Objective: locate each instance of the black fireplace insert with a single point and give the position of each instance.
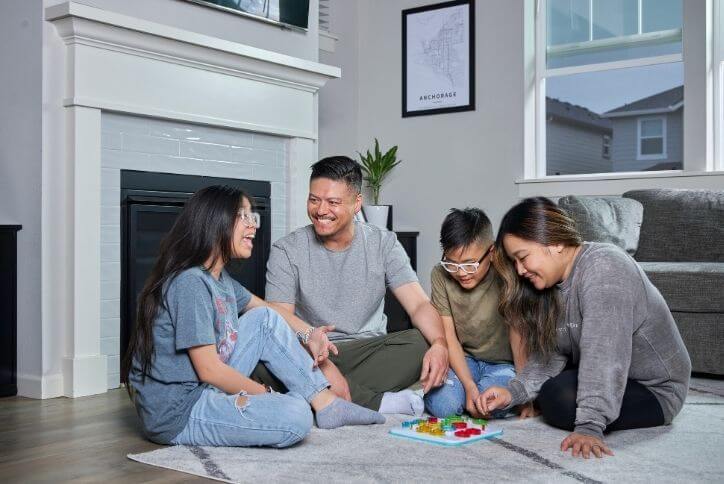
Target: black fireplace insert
(150, 203)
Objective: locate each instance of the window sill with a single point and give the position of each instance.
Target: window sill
(616, 184)
(631, 175)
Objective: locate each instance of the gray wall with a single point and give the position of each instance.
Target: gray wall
(449, 160)
(20, 161)
(573, 150)
(189, 16)
(338, 100)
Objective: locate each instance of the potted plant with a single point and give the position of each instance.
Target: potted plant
(375, 167)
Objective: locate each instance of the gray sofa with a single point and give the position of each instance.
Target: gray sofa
(680, 246)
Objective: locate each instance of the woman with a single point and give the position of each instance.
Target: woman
(189, 358)
(605, 351)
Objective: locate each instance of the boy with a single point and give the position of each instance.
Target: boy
(465, 293)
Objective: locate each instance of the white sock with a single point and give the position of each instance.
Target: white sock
(405, 402)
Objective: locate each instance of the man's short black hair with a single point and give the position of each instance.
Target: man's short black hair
(461, 228)
(339, 168)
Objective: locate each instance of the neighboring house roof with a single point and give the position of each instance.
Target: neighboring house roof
(663, 102)
(576, 115)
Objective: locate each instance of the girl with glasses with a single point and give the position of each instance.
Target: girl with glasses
(190, 355)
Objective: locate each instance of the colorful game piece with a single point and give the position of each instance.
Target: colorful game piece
(449, 431)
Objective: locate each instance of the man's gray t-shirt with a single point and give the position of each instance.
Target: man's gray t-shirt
(344, 288)
(199, 310)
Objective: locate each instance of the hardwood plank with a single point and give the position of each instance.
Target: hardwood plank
(80, 440)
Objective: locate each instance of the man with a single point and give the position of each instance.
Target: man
(335, 272)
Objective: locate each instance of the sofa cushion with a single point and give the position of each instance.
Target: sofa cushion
(696, 287)
(703, 334)
(681, 225)
(606, 219)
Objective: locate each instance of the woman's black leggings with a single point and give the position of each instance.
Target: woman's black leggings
(557, 402)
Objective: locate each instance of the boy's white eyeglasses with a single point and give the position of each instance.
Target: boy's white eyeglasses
(467, 267)
(250, 219)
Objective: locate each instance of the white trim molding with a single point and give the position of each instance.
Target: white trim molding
(639, 138)
(117, 63)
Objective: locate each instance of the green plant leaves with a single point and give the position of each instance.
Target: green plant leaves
(377, 166)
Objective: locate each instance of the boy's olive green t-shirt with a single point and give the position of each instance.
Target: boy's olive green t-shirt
(480, 328)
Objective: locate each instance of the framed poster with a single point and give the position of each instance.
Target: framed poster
(438, 58)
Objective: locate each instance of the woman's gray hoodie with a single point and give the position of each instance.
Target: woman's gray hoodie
(614, 325)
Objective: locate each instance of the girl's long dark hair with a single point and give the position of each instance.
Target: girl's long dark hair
(531, 312)
(204, 229)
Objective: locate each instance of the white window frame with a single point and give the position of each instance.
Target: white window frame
(718, 82)
(606, 147)
(542, 72)
(660, 156)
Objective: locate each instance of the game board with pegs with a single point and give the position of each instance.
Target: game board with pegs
(453, 430)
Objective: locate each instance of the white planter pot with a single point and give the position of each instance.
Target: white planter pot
(377, 214)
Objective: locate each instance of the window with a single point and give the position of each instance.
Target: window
(651, 138)
(609, 86)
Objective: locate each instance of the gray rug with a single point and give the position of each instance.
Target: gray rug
(690, 450)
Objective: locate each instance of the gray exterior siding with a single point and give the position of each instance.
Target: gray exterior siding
(574, 150)
(625, 139)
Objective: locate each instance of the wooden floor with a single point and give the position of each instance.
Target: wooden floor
(81, 440)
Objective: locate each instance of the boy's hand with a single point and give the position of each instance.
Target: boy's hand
(471, 395)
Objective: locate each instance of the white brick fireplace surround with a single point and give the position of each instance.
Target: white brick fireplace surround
(145, 96)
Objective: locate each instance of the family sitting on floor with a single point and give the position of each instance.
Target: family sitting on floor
(535, 320)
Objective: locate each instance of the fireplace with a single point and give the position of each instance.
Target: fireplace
(150, 203)
(128, 94)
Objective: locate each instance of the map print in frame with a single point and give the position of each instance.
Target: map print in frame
(438, 58)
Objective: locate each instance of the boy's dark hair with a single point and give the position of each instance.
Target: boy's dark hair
(339, 168)
(464, 227)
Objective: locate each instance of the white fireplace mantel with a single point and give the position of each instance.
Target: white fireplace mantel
(118, 63)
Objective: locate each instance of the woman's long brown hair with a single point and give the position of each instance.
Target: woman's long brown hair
(204, 228)
(531, 312)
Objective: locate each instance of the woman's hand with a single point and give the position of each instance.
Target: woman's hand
(584, 445)
(527, 410)
(319, 345)
(493, 398)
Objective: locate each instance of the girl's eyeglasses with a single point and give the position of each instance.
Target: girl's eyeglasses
(250, 219)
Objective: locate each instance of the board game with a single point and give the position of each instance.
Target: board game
(450, 431)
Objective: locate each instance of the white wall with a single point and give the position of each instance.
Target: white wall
(228, 26)
(20, 163)
(449, 160)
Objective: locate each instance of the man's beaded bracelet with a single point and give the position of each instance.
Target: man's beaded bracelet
(303, 336)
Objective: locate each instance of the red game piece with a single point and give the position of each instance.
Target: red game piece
(462, 433)
(459, 425)
(474, 431)
(432, 419)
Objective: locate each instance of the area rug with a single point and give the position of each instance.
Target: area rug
(690, 450)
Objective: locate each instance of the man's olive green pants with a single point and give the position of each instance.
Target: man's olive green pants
(372, 366)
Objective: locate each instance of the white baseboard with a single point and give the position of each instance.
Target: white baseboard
(84, 376)
(33, 386)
